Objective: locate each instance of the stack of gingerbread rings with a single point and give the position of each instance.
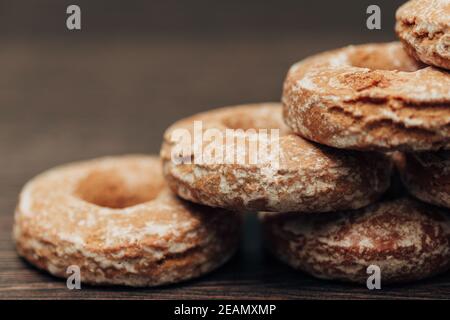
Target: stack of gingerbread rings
(376, 97)
(322, 191)
(116, 220)
(351, 239)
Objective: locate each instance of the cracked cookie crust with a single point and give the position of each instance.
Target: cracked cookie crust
(423, 26)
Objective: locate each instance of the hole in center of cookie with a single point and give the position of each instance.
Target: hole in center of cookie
(108, 188)
(385, 59)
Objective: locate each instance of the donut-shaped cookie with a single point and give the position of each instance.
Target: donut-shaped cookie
(368, 97)
(423, 26)
(117, 221)
(303, 177)
(427, 176)
(408, 240)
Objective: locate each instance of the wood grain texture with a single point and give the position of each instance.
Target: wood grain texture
(66, 101)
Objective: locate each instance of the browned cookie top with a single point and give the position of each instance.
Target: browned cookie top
(368, 97)
(408, 240)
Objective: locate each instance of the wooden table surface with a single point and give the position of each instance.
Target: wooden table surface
(67, 100)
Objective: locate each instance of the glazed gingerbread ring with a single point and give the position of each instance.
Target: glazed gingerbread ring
(118, 222)
(427, 176)
(423, 26)
(368, 97)
(407, 239)
(308, 177)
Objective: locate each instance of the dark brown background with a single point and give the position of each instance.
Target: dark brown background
(137, 66)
